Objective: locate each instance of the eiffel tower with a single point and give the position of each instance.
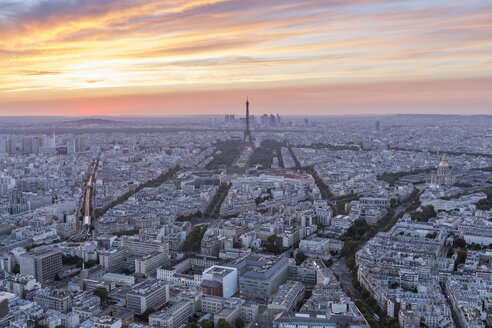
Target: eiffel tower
(247, 140)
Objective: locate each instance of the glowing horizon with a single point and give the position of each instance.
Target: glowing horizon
(124, 57)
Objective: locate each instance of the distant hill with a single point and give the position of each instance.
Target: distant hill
(93, 121)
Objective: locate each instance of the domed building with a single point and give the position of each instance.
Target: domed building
(443, 176)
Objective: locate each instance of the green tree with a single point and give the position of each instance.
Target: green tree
(429, 211)
(461, 258)
(328, 263)
(72, 260)
(239, 323)
(57, 277)
(145, 315)
(226, 153)
(102, 293)
(205, 323)
(194, 239)
(459, 242)
(223, 323)
(91, 263)
(424, 216)
(431, 235)
(394, 202)
(350, 262)
(126, 271)
(271, 245)
(300, 257)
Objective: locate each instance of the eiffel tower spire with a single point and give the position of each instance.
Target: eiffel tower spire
(247, 133)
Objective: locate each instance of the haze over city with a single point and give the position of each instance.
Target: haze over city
(83, 58)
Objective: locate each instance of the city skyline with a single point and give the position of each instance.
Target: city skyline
(158, 58)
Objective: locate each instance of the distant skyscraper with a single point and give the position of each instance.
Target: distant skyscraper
(36, 142)
(229, 119)
(26, 145)
(247, 133)
(11, 146)
(377, 125)
(80, 144)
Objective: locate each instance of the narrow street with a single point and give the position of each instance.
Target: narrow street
(345, 278)
(346, 275)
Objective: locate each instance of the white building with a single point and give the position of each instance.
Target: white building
(224, 275)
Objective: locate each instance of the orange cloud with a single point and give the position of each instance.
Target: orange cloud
(93, 50)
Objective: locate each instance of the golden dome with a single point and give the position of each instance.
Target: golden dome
(443, 163)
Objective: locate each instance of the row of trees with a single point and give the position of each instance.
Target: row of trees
(371, 302)
(393, 177)
(439, 152)
(126, 232)
(486, 204)
(294, 157)
(213, 208)
(360, 232)
(323, 187)
(123, 198)
(331, 146)
(357, 233)
(77, 261)
(263, 155)
(414, 201)
(190, 217)
(29, 247)
(461, 243)
(226, 152)
(424, 215)
(194, 239)
(301, 257)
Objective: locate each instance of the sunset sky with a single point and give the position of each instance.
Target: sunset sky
(173, 57)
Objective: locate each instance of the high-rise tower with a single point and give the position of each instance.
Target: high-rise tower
(247, 133)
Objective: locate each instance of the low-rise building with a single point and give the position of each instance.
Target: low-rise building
(147, 265)
(55, 299)
(261, 275)
(149, 294)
